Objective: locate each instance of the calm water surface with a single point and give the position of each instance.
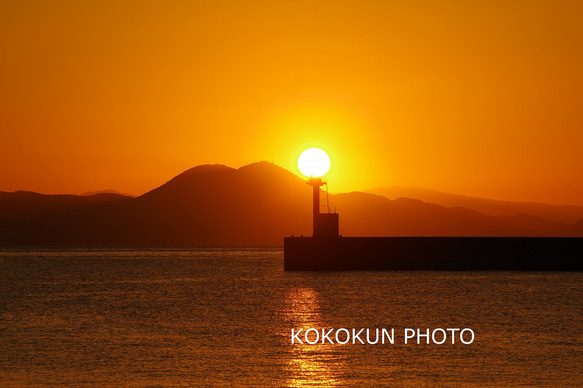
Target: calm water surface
(224, 318)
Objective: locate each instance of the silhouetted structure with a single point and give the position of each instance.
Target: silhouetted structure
(325, 224)
(326, 250)
(434, 253)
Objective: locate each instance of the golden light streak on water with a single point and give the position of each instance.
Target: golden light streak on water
(310, 365)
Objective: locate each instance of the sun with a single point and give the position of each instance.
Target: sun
(314, 162)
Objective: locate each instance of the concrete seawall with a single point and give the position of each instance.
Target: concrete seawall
(433, 253)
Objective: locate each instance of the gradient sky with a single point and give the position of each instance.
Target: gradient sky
(472, 97)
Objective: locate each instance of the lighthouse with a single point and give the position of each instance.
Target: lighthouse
(326, 250)
(325, 224)
(314, 163)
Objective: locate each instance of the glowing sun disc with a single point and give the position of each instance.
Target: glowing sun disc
(314, 162)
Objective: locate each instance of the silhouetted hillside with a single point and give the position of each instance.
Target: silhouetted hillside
(364, 214)
(553, 213)
(217, 205)
(258, 204)
(91, 193)
(204, 206)
(21, 204)
(577, 228)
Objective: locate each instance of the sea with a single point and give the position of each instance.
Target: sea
(224, 317)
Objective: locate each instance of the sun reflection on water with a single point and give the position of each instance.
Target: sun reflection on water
(309, 365)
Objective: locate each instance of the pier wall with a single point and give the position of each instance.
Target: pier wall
(433, 253)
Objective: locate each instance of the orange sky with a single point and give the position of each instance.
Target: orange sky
(473, 97)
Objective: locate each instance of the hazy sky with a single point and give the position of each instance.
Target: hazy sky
(473, 97)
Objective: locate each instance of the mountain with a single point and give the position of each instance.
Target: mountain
(553, 213)
(20, 204)
(364, 214)
(92, 193)
(255, 205)
(210, 205)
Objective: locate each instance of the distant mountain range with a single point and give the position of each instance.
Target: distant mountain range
(257, 205)
(554, 213)
(91, 193)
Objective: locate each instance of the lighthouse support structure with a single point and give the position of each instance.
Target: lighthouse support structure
(324, 224)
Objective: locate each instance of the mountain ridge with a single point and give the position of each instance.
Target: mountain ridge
(254, 205)
(552, 213)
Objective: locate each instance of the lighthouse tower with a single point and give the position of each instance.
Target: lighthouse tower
(325, 224)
